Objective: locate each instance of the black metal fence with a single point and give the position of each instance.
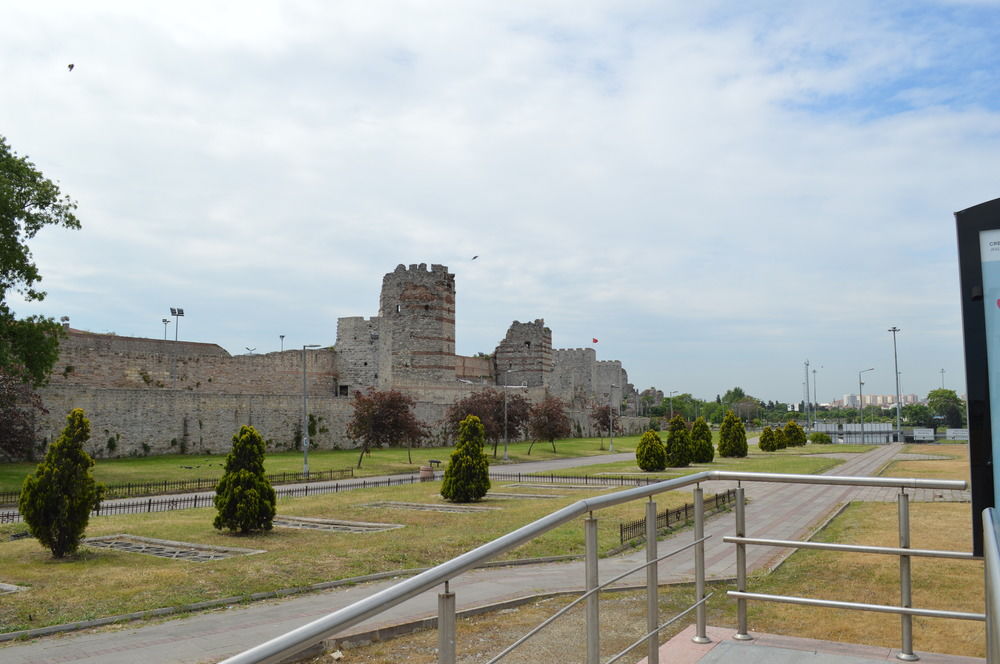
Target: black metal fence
(133, 489)
(605, 480)
(636, 530)
(168, 504)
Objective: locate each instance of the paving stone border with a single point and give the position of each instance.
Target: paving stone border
(592, 487)
(431, 507)
(198, 553)
(6, 588)
(333, 525)
(537, 496)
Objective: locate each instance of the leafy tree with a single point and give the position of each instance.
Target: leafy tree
(702, 449)
(678, 443)
(650, 455)
(244, 497)
(601, 417)
(467, 477)
(488, 406)
(732, 437)
(383, 418)
(919, 415)
(794, 435)
(56, 500)
(766, 442)
(548, 420)
(18, 407)
(947, 404)
(820, 438)
(29, 347)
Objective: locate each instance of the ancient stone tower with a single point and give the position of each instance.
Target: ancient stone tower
(417, 326)
(524, 357)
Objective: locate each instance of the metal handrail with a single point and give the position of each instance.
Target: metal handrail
(850, 548)
(281, 647)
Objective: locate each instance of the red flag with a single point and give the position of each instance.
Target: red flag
(595, 340)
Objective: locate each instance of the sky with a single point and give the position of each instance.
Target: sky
(716, 191)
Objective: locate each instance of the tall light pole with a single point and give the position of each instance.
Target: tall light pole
(282, 337)
(611, 418)
(942, 379)
(505, 438)
(177, 312)
(815, 398)
(895, 361)
(305, 413)
(861, 402)
(808, 403)
(165, 322)
(671, 397)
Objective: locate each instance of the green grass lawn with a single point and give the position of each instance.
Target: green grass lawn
(379, 462)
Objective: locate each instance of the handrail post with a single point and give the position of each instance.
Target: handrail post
(593, 602)
(741, 567)
(699, 566)
(446, 626)
(652, 587)
(906, 622)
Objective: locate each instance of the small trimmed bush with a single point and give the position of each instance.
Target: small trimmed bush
(780, 441)
(702, 449)
(732, 437)
(467, 477)
(56, 500)
(244, 497)
(678, 443)
(650, 455)
(820, 438)
(766, 442)
(794, 435)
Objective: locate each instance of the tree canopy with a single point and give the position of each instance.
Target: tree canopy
(383, 418)
(28, 202)
(488, 406)
(548, 420)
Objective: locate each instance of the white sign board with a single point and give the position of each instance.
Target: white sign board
(957, 434)
(923, 434)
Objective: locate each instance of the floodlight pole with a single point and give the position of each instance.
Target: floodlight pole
(176, 312)
(282, 337)
(671, 397)
(305, 413)
(611, 418)
(861, 402)
(165, 322)
(808, 403)
(895, 361)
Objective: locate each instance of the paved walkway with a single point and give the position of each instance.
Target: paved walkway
(785, 511)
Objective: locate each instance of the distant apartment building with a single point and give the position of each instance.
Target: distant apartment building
(881, 400)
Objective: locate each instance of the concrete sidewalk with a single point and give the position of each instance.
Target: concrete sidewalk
(785, 511)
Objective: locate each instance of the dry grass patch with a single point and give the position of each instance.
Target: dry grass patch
(955, 467)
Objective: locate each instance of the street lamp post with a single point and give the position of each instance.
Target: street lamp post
(861, 402)
(895, 361)
(177, 312)
(611, 418)
(165, 321)
(671, 397)
(815, 400)
(808, 401)
(282, 337)
(305, 413)
(506, 440)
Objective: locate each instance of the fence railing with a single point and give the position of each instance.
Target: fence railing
(636, 530)
(329, 626)
(590, 480)
(132, 489)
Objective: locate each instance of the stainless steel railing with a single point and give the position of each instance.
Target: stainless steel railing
(286, 645)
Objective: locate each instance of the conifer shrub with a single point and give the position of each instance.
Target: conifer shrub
(766, 442)
(467, 477)
(820, 438)
(732, 437)
(702, 449)
(780, 441)
(794, 435)
(678, 443)
(650, 455)
(244, 498)
(56, 500)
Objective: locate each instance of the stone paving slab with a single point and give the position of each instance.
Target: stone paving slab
(197, 553)
(431, 507)
(333, 525)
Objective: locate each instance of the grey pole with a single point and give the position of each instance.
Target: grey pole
(671, 395)
(861, 403)
(611, 418)
(165, 323)
(895, 361)
(906, 647)
(593, 609)
(446, 626)
(808, 402)
(741, 567)
(305, 413)
(652, 587)
(699, 566)
(815, 398)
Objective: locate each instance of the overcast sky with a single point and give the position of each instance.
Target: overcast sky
(717, 191)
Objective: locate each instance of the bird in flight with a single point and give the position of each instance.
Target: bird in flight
(475, 257)
(70, 66)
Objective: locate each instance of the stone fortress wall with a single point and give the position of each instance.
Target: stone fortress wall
(150, 396)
